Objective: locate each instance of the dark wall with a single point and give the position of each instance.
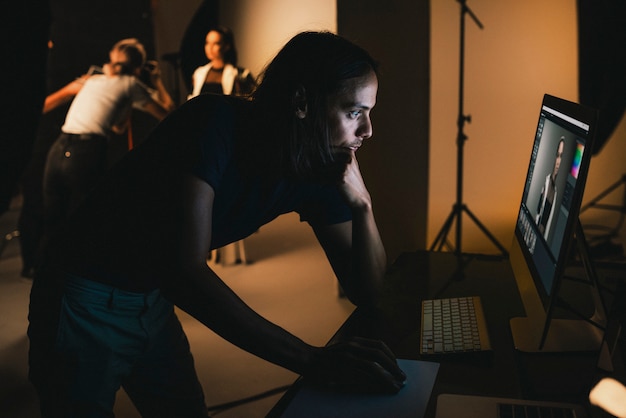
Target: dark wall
(602, 62)
(83, 32)
(395, 161)
(24, 27)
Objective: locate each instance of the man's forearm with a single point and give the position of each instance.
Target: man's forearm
(214, 304)
(369, 260)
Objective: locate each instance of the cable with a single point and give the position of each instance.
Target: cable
(232, 404)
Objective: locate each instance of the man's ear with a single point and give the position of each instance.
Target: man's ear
(299, 102)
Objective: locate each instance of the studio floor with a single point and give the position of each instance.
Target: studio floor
(287, 280)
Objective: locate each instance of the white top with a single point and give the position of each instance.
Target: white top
(229, 75)
(104, 102)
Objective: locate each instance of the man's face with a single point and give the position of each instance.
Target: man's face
(349, 113)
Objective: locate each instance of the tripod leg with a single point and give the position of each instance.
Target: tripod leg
(445, 229)
(486, 232)
(606, 192)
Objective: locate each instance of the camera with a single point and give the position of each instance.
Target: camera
(95, 69)
(150, 66)
(147, 72)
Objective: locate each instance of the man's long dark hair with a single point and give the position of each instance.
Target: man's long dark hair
(318, 65)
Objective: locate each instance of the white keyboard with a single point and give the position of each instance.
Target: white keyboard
(453, 325)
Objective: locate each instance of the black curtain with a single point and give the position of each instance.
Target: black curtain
(83, 33)
(192, 45)
(24, 26)
(602, 62)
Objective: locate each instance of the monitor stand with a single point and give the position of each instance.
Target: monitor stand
(538, 332)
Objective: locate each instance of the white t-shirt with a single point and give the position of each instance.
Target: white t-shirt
(104, 102)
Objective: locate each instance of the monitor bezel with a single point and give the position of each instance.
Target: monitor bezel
(590, 117)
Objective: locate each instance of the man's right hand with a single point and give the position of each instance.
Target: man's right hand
(358, 365)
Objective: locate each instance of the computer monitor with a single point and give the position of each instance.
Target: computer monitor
(547, 220)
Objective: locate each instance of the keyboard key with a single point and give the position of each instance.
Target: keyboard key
(453, 325)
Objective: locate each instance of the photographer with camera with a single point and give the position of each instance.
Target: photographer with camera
(102, 103)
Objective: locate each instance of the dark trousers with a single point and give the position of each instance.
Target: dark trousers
(74, 165)
(88, 339)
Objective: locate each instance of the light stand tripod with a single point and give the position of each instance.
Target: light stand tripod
(459, 207)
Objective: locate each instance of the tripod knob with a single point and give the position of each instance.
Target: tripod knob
(462, 119)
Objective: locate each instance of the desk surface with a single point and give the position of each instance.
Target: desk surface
(502, 372)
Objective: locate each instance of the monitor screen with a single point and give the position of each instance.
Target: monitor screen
(546, 223)
(553, 189)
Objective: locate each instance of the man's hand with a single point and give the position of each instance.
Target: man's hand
(358, 365)
(153, 69)
(352, 185)
(346, 174)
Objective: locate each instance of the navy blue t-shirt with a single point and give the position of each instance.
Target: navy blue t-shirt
(244, 202)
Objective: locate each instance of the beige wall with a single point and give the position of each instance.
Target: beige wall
(263, 27)
(526, 49)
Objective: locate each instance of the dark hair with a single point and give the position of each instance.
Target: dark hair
(317, 64)
(228, 39)
(559, 143)
(135, 55)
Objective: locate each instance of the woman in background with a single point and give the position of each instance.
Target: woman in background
(221, 75)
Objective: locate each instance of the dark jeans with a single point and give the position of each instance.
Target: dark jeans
(88, 339)
(74, 165)
(31, 221)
